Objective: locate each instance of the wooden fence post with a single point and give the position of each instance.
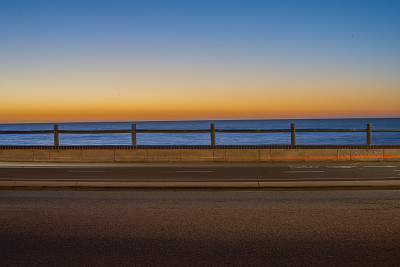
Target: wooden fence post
(369, 134)
(133, 134)
(212, 130)
(293, 134)
(56, 139)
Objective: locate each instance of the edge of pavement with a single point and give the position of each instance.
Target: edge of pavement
(260, 185)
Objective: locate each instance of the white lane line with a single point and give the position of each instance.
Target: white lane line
(64, 180)
(194, 171)
(214, 180)
(86, 171)
(341, 167)
(301, 171)
(322, 179)
(303, 167)
(61, 180)
(44, 180)
(45, 167)
(380, 166)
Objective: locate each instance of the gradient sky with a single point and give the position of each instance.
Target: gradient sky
(81, 60)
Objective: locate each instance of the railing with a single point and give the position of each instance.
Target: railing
(133, 131)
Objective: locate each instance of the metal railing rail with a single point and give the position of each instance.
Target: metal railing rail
(133, 131)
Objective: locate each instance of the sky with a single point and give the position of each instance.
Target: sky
(82, 60)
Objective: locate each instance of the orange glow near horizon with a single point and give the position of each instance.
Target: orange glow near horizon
(240, 106)
(40, 95)
(217, 99)
(184, 101)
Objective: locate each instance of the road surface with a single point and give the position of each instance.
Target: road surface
(218, 172)
(70, 228)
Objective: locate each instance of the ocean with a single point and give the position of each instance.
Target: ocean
(204, 138)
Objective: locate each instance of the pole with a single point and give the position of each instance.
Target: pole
(212, 130)
(133, 134)
(293, 134)
(369, 134)
(56, 139)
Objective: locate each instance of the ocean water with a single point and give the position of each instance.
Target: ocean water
(204, 138)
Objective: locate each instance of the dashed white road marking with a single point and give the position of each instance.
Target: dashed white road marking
(304, 167)
(194, 171)
(341, 167)
(301, 171)
(380, 166)
(94, 171)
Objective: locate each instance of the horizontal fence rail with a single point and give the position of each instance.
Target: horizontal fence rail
(133, 131)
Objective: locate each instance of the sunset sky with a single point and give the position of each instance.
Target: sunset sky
(81, 60)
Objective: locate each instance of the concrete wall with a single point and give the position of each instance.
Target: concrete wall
(197, 155)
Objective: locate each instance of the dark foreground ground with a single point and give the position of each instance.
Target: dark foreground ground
(335, 228)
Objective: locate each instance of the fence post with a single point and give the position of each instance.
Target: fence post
(56, 139)
(293, 134)
(133, 134)
(212, 130)
(369, 134)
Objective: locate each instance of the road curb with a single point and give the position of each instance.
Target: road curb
(76, 185)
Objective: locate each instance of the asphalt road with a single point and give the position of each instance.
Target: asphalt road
(223, 172)
(68, 228)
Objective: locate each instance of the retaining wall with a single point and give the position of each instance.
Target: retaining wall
(204, 154)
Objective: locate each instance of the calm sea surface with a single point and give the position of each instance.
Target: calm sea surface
(204, 138)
